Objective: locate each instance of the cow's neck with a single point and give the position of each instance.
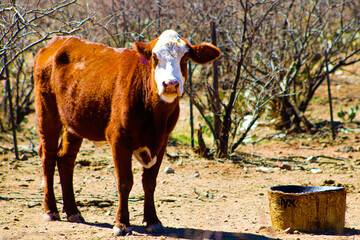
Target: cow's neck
(160, 110)
(159, 107)
(162, 117)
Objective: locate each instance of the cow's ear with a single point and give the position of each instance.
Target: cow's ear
(204, 53)
(144, 49)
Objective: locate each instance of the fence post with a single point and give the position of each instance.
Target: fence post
(216, 100)
(191, 106)
(329, 91)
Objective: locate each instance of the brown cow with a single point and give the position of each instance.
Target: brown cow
(129, 98)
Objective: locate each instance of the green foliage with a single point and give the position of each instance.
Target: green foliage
(351, 114)
(183, 139)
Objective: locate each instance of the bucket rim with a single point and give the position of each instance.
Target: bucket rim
(298, 189)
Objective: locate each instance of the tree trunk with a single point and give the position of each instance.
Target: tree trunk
(223, 139)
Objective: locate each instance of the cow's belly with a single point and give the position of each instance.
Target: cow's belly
(84, 106)
(86, 119)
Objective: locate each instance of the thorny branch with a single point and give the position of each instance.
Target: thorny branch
(22, 29)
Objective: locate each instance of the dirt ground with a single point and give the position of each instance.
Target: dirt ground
(202, 199)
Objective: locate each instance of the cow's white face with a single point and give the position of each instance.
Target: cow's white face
(169, 50)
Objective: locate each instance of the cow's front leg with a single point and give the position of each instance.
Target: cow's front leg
(122, 163)
(153, 224)
(124, 182)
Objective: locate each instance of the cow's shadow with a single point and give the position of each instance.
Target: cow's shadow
(192, 233)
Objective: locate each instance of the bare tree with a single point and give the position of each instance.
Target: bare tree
(23, 26)
(299, 43)
(240, 95)
(273, 57)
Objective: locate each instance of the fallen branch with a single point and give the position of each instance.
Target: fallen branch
(311, 148)
(333, 158)
(290, 159)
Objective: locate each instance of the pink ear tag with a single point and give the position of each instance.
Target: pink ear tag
(144, 60)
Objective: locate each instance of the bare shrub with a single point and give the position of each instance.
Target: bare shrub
(273, 56)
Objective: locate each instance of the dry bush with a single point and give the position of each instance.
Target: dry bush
(273, 55)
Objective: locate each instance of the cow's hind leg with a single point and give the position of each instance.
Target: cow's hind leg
(49, 130)
(48, 159)
(69, 147)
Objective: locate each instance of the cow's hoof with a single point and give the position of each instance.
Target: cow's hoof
(76, 218)
(156, 228)
(48, 217)
(122, 231)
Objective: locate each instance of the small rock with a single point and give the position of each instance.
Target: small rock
(286, 167)
(209, 195)
(84, 162)
(315, 170)
(31, 205)
(264, 169)
(104, 204)
(262, 228)
(311, 159)
(15, 167)
(169, 170)
(329, 182)
(346, 149)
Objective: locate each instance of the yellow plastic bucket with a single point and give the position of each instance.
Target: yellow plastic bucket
(308, 208)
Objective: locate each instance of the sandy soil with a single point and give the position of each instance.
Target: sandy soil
(202, 199)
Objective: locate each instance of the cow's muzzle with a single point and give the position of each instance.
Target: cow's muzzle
(172, 86)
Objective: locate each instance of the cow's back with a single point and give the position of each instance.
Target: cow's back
(83, 77)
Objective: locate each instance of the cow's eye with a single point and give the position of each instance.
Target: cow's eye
(154, 59)
(185, 58)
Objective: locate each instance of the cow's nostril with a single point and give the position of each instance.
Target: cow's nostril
(172, 83)
(177, 84)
